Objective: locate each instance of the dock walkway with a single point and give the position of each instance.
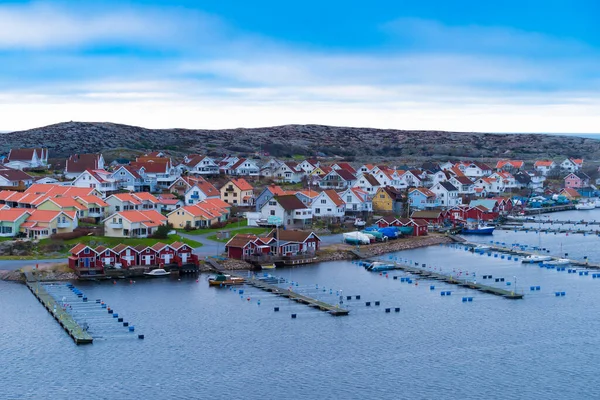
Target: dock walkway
(62, 317)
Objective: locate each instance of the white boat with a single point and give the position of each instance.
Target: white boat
(378, 266)
(356, 238)
(585, 206)
(481, 248)
(559, 261)
(155, 273)
(360, 223)
(534, 258)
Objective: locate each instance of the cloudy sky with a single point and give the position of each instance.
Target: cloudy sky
(525, 66)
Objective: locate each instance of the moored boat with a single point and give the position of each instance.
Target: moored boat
(534, 258)
(586, 206)
(406, 230)
(223, 279)
(481, 248)
(559, 261)
(157, 273)
(478, 229)
(378, 266)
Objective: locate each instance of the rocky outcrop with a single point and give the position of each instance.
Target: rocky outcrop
(69, 138)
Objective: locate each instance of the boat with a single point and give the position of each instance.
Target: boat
(559, 261)
(356, 238)
(481, 248)
(223, 279)
(585, 206)
(478, 229)
(267, 266)
(535, 258)
(157, 273)
(359, 223)
(597, 203)
(406, 230)
(378, 266)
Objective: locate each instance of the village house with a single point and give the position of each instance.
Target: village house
(544, 166)
(158, 172)
(98, 179)
(14, 178)
(307, 196)
(78, 163)
(11, 220)
(510, 165)
(197, 216)
(308, 165)
(474, 169)
(419, 228)
(289, 210)
(357, 201)
(337, 179)
(132, 201)
(447, 194)
(238, 192)
(366, 169)
(570, 194)
(464, 184)
(200, 165)
(413, 178)
(244, 167)
(572, 164)
(63, 204)
(128, 178)
(200, 192)
(328, 204)
(344, 165)
(279, 243)
(434, 217)
(133, 223)
(367, 182)
(422, 198)
(289, 172)
(389, 200)
(95, 207)
(267, 194)
(577, 180)
(168, 202)
(270, 167)
(41, 224)
(27, 158)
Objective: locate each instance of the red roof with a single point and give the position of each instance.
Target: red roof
(12, 214)
(242, 184)
(78, 163)
(543, 163)
(335, 197)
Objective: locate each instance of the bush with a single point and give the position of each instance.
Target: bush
(162, 232)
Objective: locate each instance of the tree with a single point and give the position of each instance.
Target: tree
(162, 232)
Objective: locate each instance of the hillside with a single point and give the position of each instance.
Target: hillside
(304, 140)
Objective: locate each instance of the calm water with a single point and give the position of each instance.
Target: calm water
(209, 343)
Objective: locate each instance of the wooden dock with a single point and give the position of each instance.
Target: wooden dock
(334, 310)
(507, 294)
(62, 317)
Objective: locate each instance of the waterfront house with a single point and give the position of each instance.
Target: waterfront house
(106, 255)
(238, 192)
(289, 210)
(576, 180)
(78, 163)
(490, 204)
(435, 217)
(388, 199)
(201, 191)
(357, 201)
(422, 198)
(85, 261)
(126, 255)
(244, 246)
(295, 242)
(570, 194)
(27, 158)
(146, 255)
(544, 166)
(447, 194)
(11, 220)
(572, 164)
(133, 223)
(98, 179)
(328, 204)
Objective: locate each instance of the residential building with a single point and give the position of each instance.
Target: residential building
(328, 204)
(367, 182)
(27, 158)
(244, 167)
(78, 163)
(200, 165)
(572, 164)
(510, 165)
(267, 194)
(422, 198)
(11, 220)
(289, 210)
(447, 194)
(544, 166)
(200, 192)
(133, 223)
(14, 178)
(238, 192)
(128, 178)
(357, 201)
(337, 179)
(42, 224)
(98, 179)
(389, 200)
(576, 180)
(289, 172)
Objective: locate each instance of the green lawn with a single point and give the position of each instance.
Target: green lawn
(256, 231)
(113, 241)
(234, 225)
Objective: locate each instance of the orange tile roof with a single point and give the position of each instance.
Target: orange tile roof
(43, 215)
(12, 214)
(149, 216)
(66, 202)
(126, 197)
(218, 203)
(79, 248)
(335, 197)
(145, 196)
(578, 161)
(242, 184)
(543, 163)
(6, 194)
(92, 200)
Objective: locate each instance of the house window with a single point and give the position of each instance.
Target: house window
(86, 251)
(117, 208)
(323, 201)
(272, 212)
(317, 211)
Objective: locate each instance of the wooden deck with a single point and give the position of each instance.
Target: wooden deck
(62, 317)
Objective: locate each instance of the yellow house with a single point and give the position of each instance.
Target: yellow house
(388, 199)
(43, 223)
(95, 207)
(238, 192)
(193, 217)
(63, 204)
(133, 223)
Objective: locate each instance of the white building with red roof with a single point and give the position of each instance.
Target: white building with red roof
(98, 179)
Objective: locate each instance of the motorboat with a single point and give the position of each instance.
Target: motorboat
(478, 229)
(535, 258)
(586, 206)
(157, 273)
(359, 223)
(559, 261)
(378, 266)
(481, 248)
(224, 279)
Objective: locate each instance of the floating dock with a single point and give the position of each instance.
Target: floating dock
(550, 230)
(77, 333)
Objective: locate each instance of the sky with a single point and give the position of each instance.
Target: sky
(509, 66)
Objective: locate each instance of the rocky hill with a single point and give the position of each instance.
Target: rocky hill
(304, 140)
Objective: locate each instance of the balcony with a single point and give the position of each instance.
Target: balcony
(63, 224)
(116, 225)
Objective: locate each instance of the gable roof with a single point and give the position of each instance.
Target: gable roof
(25, 154)
(463, 180)
(335, 197)
(79, 247)
(345, 175)
(394, 193)
(543, 163)
(77, 163)
(448, 186)
(371, 179)
(422, 190)
(509, 163)
(241, 184)
(290, 202)
(91, 200)
(12, 214)
(347, 167)
(428, 214)
(14, 175)
(292, 235)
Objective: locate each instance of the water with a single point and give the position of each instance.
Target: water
(211, 343)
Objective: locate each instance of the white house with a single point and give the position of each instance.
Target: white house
(200, 165)
(447, 194)
(78, 163)
(99, 179)
(337, 179)
(289, 172)
(27, 158)
(357, 200)
(367, 183)
(412, 178)
(328, 204)
(463, 183)
(14, 178)
(200, 192)
(572, 164)
(366, 169)
(287, 209)
(244, 167)
(474, 169)
(128, 178)
(308, 166)
(544, 166)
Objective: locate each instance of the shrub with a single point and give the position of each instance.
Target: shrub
(68, 235)
(162, 232)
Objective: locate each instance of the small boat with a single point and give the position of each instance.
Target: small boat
(157, 273)
(267, 266)
(359, 223)
(481, 248)
(223, 279)
(378, 266)
(479, 229)
(534, 258)
(585, 206)
(559, 261)
(356, 238)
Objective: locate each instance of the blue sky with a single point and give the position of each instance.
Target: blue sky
(522, 66)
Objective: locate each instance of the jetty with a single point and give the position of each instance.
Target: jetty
(535, 211)
(550, 230)
(507, 294)
(73, 329)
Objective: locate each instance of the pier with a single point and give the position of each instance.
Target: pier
(536, 211)
(73, 329)
(334, 310)
(550, 230)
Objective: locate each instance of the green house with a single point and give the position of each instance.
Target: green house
(11, 220)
